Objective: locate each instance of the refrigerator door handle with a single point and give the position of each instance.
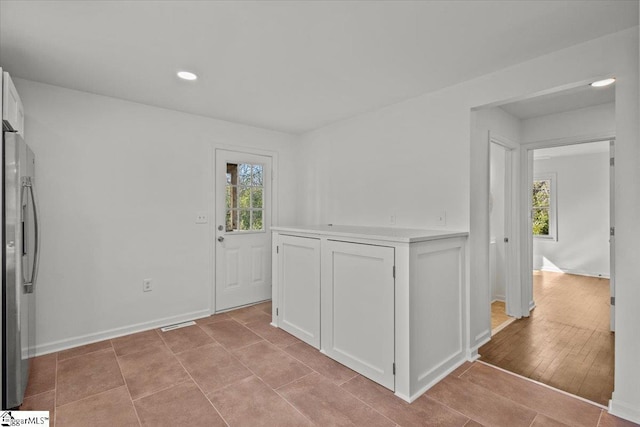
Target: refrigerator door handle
(27, 184)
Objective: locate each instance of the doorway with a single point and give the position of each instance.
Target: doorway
(566, 342)
(243, 199)
(501, 156)
(560, 340)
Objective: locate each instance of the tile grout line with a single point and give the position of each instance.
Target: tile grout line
(296, 380)
(319, 373)
(292, 405)
(135, 410)
(489, 391)
(202, 391)
(268, 386)
(452, 409)
(466, 370)
(365, 403)
(580, 398)
(237, 348)
(600, 418)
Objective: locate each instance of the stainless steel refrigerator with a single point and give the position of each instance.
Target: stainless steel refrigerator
(20, 266)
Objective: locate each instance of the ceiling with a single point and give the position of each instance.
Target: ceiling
(571, 150)
(285, 65)
(559, 102)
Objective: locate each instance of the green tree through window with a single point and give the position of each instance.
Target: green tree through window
(245, 197)
(541, 206)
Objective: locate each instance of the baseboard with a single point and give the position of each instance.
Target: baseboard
(461, 360)
(68, 343)
(498, 298)
(624, 410)
(481, 339)
(575, 272)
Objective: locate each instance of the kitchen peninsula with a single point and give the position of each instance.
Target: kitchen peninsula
(389, 303)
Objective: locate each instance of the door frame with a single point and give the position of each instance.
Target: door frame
(512, 277)
(213, 205)
(526, 249)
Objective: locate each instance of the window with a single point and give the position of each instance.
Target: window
(543, 207)
(245, 197)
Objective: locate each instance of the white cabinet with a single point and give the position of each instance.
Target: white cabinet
(392, 302)
(298, 302)
(357, 308)
(12, 110)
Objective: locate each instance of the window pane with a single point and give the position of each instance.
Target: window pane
(244, 198)
(244, 174)
(231, 220)
(257, 175)
(244, 219)
(541, 192)
(232, 173)
(256, 223)
(256, 198)
(540, 222)
(229, 197)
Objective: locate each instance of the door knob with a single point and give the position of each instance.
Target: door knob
(220, 239)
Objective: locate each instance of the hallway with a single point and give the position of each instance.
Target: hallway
(566, 342)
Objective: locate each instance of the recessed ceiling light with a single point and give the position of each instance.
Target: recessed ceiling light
(186, 75)
(602, 83)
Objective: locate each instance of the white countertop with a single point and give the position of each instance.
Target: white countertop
(388, 234)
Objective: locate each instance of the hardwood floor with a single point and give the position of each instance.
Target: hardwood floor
(499, 316)
(566, 342)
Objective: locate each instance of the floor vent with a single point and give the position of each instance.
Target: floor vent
(177, 326)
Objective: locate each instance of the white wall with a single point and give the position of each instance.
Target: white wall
(119, 185)
(583, 216)
(426, 155)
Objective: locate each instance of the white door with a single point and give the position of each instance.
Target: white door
(357, 309)
(243, 229)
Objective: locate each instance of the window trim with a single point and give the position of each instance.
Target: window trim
(553, 206)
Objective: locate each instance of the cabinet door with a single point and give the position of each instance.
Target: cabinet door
(358, 308)
(299, 288)
(12, 111)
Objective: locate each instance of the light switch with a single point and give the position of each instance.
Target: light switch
(202, 218)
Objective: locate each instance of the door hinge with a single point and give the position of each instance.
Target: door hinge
(394, 271)
(612, 161)
(612, 231)
(276, 311)
(506, 240)
(394, 368)
(277, 249)
(613, 300)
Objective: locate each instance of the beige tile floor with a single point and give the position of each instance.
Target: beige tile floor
(235, 369)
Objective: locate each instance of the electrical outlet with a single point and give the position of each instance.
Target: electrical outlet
(441, 218)
(392, 220)
(202, 218)
(147, 285)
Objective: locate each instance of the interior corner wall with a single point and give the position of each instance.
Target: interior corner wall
(424, 155)
(119, 185)
(582, 245)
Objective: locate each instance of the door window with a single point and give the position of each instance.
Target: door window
(244, 197)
